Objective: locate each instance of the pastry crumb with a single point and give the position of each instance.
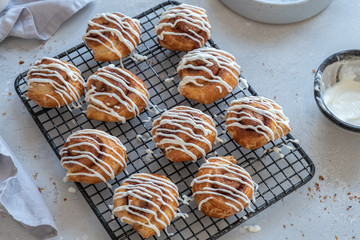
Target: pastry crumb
(321, 178)
(72, 189)
(4, 113)
(336, 237)
(40, 189)
(65, 199)
(36, 175)
(21, 62)
(313, 71)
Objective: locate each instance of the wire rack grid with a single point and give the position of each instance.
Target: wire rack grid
(277, 176)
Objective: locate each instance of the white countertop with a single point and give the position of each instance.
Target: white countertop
(277, 60)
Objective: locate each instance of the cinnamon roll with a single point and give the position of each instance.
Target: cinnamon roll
(112, 36)
(183, 28)
(92, 156)
(184, 133)
(115, 95)
(54, 83)
(254, 121)
(221, 188)
(207, 75)
(148, 202)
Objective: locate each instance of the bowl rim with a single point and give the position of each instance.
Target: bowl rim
(336, 57)
(295, 2)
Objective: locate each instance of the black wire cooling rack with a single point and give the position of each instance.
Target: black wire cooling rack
(276, 175)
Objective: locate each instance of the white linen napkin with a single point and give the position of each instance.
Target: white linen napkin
(20, 198)
(36, 18)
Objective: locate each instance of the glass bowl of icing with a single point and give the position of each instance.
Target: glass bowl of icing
(337, 89)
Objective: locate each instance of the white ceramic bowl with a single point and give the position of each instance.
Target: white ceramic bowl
(277, 11)
(3, 4)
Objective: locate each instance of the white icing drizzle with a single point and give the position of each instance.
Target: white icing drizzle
(234, 195)
(85, 134)
(219, 140)
(278, 151)
(72, 190)
(210, 56)
(124, 32)
(294, 141)
(274, 114)
(147, 120)
(41, 73)
(244, 82)
(168, 80)
(185, 199)
(149, 157)
(144, 186)
(178, 117)
(290, 148)
(120, 75)
(139, 57)
(253, 229)
(149, 151)
(187, 14)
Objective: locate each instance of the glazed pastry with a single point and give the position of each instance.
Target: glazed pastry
(54, 83)
(207, 75)
(254, 121)
(112, 36)
(92, 156)
(184, 133)
(221, 188)
(115, 95)
(148, 202)
(183, 28)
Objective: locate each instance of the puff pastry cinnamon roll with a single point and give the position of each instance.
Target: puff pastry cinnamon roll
(207, 75)
(221, 188)
(254, 121)
(92, 156)
(112, 36)
(54, 83)
(183, 28)
(115, 95)
(184, 133)
(148, 202)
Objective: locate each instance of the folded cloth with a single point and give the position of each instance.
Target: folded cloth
(38, 18)
(20, 198)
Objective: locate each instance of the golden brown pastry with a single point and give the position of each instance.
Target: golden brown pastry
(54, 83)
(254, 121)
(148, 202)
(183, 28)
(112, 36)
(184, 133)
(221, 188)
(115, 95)
(207, 75)
(92, 156)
